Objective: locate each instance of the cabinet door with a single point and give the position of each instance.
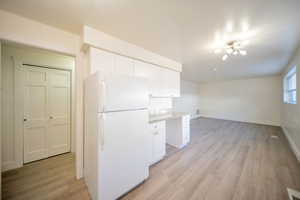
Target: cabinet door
(142, 69)
(158, 141)
(124, 66)
(162, 82)
(158, 82)
(147, 71)
(173, 83)
(170, 83)
(101, 60)
(166, 83)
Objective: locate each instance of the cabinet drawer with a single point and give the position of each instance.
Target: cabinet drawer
(158, 126)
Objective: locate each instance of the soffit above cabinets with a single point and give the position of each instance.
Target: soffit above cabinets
(98, 39)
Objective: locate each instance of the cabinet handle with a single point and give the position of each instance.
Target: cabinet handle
(24, 119)
(50, 117)
(155, 133)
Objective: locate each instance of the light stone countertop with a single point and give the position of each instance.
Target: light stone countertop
(163, 117)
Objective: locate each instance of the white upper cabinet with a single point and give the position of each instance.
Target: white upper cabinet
(145, 70)
(172, 81)
(157, 82)
(124, 66)
(110, 63)
(101, 60)
(142, 69)
(163, 82)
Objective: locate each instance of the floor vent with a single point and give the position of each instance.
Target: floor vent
(293, 194)
(274, 137)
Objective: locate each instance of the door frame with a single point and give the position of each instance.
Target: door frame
(78, 75)
(1, 89)
(19, 108)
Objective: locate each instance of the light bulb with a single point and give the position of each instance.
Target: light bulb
(225, 57)
(237, 45)
(217, 51)
(246, 42)
(229, 51)
(243, 52)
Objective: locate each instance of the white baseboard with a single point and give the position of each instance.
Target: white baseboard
(195, 116)
(293, 146)
(246, 121)
(9, 165)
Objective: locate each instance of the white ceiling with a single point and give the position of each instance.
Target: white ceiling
(183, 30)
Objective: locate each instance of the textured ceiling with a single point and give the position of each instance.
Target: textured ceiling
(185, 31)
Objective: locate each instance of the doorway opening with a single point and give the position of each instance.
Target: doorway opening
(38, 140)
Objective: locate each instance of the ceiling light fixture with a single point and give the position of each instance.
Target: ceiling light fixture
(225, 57)
(233, 47)
(217, 51)
(243, 52)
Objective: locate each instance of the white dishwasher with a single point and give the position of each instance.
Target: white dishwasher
(178, 131)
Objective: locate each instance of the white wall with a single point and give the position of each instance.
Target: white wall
(0, 117)
(256, 100)
(189, 101)
(29, 32)
(291, 112)
(10, 153)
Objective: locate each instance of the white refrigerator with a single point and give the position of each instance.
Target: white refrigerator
(117, 146)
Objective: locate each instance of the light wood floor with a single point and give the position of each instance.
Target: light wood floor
(52, 178)
(225, 161)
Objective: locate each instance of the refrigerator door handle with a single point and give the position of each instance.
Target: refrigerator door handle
(103, 95)
(101, 129)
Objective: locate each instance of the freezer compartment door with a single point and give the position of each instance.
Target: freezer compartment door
(123, 93)
(124, 152)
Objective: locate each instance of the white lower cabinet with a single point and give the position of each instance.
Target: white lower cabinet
(158, 133)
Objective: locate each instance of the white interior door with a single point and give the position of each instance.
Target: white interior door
(35, 113)
(46, 113)
(59, 112)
